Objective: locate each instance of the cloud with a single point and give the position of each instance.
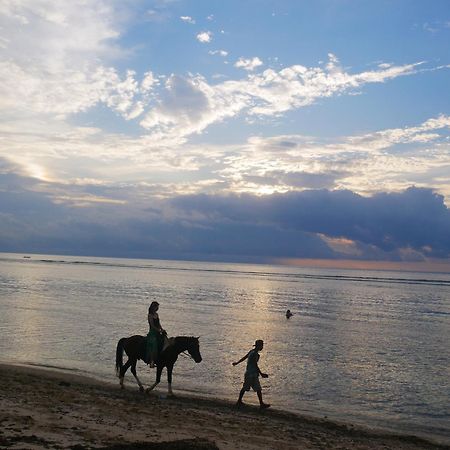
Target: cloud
(435, 26)
(404, 226)
(58, 66)
(391, 159)
(385, 160)
(159, 12)
(395, 225)
(69, 34)
(295, 179)
(204, 37)
(51, 61)
(187, 19)
(248, 64)
(268, 94)
(57, 70)
(218, 52)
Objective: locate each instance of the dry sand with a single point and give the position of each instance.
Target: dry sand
(41, 408)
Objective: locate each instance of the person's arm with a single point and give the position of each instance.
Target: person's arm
(242, 359)
(264, 375)
(151, 322)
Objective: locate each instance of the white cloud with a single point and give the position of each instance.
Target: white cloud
(149, 82)
(364, 163)
(57, 61)
(57, 65)
(188, 19)
(25, 92)
(51, 60)
(204, 37)
(248, 64)
(218, 52)
(385, 160)
(269, 94)
(431, 27)
(382, 140)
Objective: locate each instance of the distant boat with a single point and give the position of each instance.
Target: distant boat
(27, 257)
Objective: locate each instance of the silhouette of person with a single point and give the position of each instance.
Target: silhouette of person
(155, 336)
(252, 373)
(288, 314)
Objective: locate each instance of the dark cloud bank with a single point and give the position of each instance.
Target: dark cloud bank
(409, 225)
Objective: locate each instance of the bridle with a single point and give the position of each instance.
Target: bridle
(186, 355)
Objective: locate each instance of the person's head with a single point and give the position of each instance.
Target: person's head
(153, 307)
(259, 344)
(288, 311)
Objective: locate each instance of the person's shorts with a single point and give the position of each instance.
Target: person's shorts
(251, 381)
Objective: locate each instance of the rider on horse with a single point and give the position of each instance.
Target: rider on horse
(156, 334)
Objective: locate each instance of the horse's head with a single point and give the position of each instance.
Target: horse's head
(194, 349)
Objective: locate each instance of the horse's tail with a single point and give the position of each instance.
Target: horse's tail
(119, 356)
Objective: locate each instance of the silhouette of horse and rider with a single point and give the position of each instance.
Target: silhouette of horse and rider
(135, 348)
(154, 349)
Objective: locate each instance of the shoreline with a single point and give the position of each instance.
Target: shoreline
(47, 407)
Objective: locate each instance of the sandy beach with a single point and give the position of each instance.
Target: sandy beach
(43, 408)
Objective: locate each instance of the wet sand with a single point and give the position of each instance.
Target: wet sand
(41, 408)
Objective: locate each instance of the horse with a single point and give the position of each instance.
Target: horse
(135, 348)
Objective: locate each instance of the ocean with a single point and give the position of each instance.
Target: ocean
(367, 347)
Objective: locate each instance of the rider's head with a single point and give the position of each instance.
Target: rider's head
(153, 307)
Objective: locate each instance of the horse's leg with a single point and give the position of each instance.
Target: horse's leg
(158, 378)
(169, 378)
(133, 371)
(122, 373)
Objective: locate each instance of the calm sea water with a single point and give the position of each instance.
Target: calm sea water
(366, 347)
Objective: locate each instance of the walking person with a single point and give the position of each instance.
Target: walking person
(252, 373)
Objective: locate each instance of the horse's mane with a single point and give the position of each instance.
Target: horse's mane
(186, 338)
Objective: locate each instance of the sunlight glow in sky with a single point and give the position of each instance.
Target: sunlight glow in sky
(116, 115)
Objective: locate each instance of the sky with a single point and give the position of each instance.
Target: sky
(251, 130)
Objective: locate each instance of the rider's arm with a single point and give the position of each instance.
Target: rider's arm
(151, 323)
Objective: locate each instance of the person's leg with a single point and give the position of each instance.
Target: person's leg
(148, 349)
(241, 395)
(262, 405)
(152, 359)
(152, 348)
(260, 397)
(245, 387)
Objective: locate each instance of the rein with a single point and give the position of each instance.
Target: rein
(186, 355)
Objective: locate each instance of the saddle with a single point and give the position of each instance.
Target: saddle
(162, 347)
